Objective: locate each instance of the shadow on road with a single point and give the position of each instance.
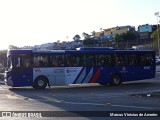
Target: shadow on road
(59, 95)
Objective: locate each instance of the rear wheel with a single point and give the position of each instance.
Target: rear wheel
(116, 79)
(40, 83)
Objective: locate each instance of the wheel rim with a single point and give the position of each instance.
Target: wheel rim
(116, 80)
(40, 83)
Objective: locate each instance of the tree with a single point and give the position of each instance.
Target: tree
(130, 35)
(125, 39)
(58, 41)
(90, 42)
(93, 33)
(13, 47)
(155, 34)
(118, 38)
(3, 58)
(76, 37)
(86, 35)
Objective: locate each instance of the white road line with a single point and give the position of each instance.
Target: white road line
(110, 104)
(144, 92)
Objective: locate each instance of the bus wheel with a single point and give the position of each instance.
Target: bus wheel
(40, 82)
(116, 79)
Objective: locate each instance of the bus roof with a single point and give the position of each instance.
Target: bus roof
(87, 50)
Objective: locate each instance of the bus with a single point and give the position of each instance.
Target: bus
(41, 68)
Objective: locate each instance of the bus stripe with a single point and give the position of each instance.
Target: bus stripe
(95, 76)
(88, 76)
(79, 76)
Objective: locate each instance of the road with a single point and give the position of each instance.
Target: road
(132, 96)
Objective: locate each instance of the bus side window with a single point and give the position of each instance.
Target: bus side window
(55, 63)
(40, 60)
(89, 60)
(121, 59)
(41, 63)
(133, 59)
(101, 60)
(73, 60)
(146, 59)
(57, 60)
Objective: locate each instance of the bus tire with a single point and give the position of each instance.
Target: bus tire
(116, 79)
(40, 82)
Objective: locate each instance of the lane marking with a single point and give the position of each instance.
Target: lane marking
(142, 92)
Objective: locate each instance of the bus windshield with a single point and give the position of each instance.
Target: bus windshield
(9, 64)
(18, 61)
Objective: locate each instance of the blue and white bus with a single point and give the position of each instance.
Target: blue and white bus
(39, 68)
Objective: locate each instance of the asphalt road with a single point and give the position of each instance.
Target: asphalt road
(129, 97)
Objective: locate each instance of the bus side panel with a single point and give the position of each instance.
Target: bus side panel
(75, 75)
(22, 77)
(78, 75)
(105, 74)
(109, 71)
(88, 75)
(55, 76)
(140, 73)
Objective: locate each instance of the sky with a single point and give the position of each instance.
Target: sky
(34, 22)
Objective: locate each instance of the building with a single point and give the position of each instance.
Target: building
(110, 33)
(146, 30)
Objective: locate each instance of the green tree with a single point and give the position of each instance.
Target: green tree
(90, 42)
(86, 35)
(119, 38)
(3, 58)
(76, 37)
(126, 36)
(155, 34)
(131, 35)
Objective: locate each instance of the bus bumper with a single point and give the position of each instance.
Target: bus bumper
(8, 81)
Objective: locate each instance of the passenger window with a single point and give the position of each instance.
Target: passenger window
(133, 59)
(121, 59)
(146, 59)
(57, 60)
(89, 60)
(74, 60)
(40, 60)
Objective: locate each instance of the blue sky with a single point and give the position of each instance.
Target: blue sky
(33, 22)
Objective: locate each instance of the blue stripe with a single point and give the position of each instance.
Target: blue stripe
(79, 75)
(87, 72)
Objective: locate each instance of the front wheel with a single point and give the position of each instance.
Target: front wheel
(40, 83)
(116, 80)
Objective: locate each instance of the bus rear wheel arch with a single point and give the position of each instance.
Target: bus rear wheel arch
(40, 82)
(116, 79)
